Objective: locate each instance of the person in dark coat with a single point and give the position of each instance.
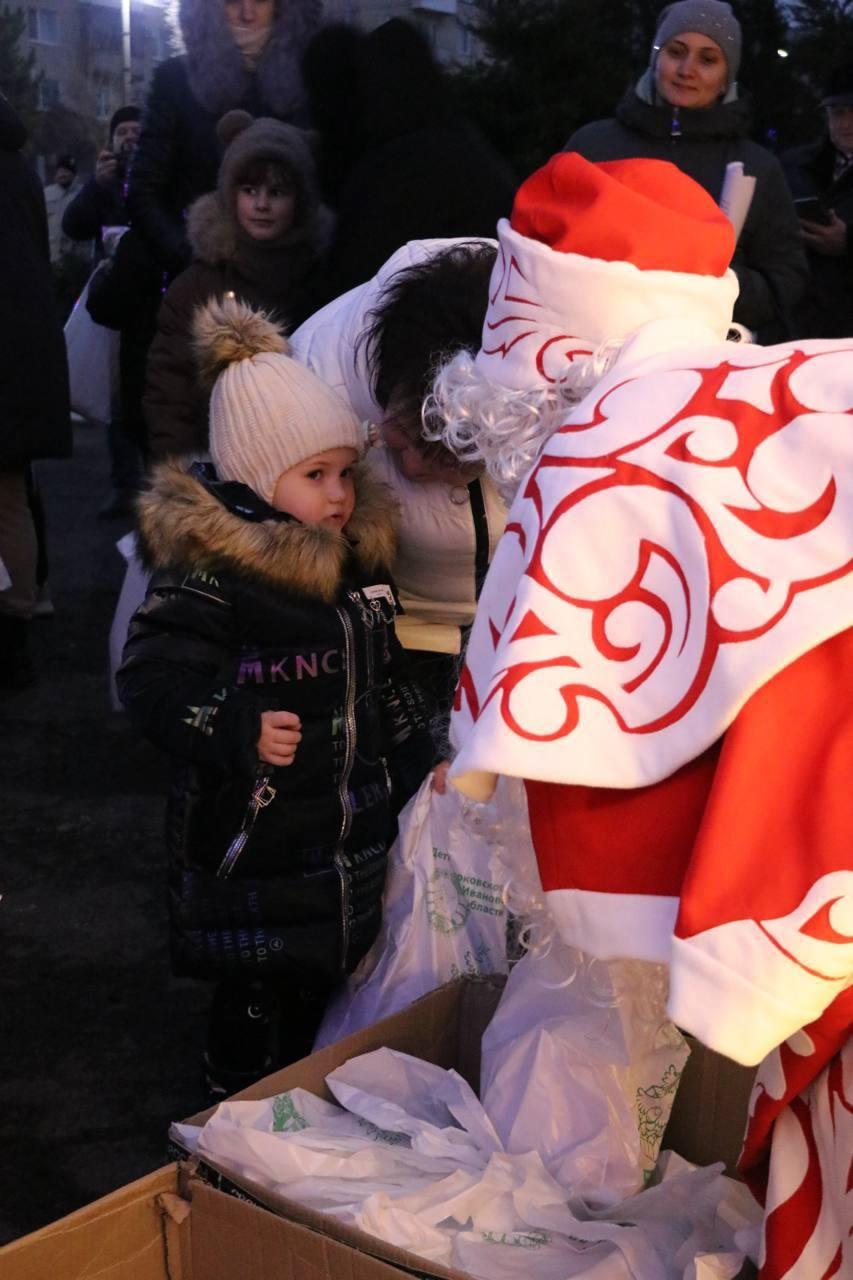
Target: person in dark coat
(824, 170)
(101, 200)
(258, 237)
(99, 205)
(686, 109)
(419, 171)
(264, 661)
(239, 54)
(35, 420)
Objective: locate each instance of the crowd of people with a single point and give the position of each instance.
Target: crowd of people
(364, 377)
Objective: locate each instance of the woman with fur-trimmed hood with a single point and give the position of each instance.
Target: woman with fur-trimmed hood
(258, 237)
(264, 660)
(237, 54)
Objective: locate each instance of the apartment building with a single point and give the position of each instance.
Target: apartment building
(78, 49)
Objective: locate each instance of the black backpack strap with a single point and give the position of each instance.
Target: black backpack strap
(481, 535)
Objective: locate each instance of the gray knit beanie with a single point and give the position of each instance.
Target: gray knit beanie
(711, 18)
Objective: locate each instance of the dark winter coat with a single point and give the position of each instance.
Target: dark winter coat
(415, 171)
(251, 611)
(94, 207)
(278, 279)
(827, 309)
(35, 419)
(125, 294)
(442, 181)
(769, 261)
(178, 153)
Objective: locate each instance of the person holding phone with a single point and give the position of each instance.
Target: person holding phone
(820, 175)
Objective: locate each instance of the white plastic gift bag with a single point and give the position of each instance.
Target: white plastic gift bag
(581, 1063)
(132, 594)
(443, 909)
(92, 362)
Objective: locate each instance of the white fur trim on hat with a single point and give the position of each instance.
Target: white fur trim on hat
(547, 309)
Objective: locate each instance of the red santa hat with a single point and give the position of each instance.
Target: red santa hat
(593, 252)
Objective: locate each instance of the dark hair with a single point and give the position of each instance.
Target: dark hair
(259, 169)
(426, 314)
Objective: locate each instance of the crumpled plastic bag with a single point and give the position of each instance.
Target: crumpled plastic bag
(131, 596)
(580, 1059)
(443, 911)
(497, 1214)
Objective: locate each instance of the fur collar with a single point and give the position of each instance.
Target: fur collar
(183, 523)
(215, 70)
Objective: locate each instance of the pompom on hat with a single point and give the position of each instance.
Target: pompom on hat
(594, 251)
(267, 412)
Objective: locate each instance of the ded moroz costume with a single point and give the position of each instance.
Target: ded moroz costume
(661, 648)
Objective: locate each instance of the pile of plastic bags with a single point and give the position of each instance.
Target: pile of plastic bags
(409, 1154)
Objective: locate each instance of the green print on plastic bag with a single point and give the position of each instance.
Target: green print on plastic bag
(518, 1239)
(285, 1117)
(451, 897)
(383, 1135)
(476, 963)
(651, 1114)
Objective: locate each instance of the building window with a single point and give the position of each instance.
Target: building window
(43, 26)
(48, 94)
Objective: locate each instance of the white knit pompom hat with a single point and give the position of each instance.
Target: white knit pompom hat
(267, 412)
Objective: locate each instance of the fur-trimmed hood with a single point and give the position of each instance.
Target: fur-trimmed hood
(185, 522)
(217, 76)
(212, 226)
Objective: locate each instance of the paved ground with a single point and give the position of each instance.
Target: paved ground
(99, 1045)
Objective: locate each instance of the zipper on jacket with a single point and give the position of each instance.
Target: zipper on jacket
(675, 125)
(262, 795)
(343, 786)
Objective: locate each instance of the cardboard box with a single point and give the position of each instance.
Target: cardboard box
(170, 1226)
(446, 1027)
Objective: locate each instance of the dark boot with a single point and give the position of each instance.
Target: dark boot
(16, 667)
(239, 1038)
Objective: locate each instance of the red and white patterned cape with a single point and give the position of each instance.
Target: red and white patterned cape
(678, 565)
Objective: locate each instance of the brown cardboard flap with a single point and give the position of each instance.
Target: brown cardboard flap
(443, 1027)
(119, 1237)
(233, 1240)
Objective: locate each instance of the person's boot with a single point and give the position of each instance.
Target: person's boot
(16, 667)
(239, 1039)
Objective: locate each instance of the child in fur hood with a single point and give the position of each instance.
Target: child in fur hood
(259, 236)
(264, 660)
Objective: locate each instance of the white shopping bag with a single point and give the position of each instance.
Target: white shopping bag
(130, 598)
(443, 910)
(581, 1063)
(92, 362)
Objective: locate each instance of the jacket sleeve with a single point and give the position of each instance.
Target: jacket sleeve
(770, 261)
(87, 212)
(152, 174)
(124, 286)
(171, 679)
(174, 404)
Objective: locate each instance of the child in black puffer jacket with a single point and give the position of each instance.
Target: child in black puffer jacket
(264, 660)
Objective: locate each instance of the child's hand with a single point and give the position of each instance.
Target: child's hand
(439, 777)
(280, 736)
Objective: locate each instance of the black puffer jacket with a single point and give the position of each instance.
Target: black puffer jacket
(249, 611)
(769, 262)
(178, 154)
(827, 309)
